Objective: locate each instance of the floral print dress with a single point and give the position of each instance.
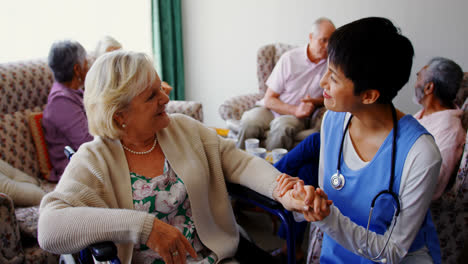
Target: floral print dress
(166, 198)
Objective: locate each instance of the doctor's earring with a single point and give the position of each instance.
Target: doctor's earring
(124, 125)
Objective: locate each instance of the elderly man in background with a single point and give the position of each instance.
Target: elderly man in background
(436, 88)
(293, 92)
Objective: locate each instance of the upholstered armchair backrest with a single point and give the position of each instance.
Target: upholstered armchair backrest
(460, 188)
(450, 214)
(462, 100)
(450, 211)
(463, 92)
(24, 85)
(267, 57)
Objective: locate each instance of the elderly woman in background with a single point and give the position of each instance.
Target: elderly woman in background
(106, 44)
(152, 183)
(64, 118)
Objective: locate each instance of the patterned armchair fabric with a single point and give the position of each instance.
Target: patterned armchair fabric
(462, 100)
(24, 85)
(190, 108)
(14, 248)
(450, 214)
(10, 241)
(463, 92)
(24, 88)
(16, 144)
(450, 211)
(267, 57)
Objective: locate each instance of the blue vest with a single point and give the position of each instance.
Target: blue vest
(362, 185)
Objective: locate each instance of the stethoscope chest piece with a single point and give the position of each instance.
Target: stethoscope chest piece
(337, 181)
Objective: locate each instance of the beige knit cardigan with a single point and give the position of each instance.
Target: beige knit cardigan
(93, 200)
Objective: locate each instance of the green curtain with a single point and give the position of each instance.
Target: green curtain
(168, 45)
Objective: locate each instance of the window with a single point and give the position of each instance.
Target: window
(29, 27)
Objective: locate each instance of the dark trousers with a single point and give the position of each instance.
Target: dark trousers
(248, 252)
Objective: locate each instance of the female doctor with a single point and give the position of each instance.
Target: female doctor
(372, 154)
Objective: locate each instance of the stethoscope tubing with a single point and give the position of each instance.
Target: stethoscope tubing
(340, 178)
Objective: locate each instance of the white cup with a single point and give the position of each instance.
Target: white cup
(278, 153)
(251, 143)
(259, 152)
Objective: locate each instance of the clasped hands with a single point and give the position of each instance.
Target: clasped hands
(305, 108)
(295, 196)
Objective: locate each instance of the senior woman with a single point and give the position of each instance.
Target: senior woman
(107, 44)
(151, 182)
(64, 118)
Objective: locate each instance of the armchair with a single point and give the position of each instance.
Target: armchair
(450, 211)
(232, 109)
(16, 246)
(450, 215)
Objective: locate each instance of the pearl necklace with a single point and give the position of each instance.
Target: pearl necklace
(141, 152)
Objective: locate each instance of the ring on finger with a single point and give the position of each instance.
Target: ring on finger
(175, 253)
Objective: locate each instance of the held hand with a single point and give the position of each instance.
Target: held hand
(304, 193)
(292, 203)
(304, 109)
(283, 191)
(319, 206)
(169, 242)
(308, 99)
(285, 183)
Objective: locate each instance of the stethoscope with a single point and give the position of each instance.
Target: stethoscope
(338, 181)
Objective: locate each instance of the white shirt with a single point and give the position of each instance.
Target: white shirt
(295, 76)
(449, 135)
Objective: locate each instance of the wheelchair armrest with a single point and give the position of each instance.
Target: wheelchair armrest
(104, 251)
(68, 152)
(272, 206)
(242, 192)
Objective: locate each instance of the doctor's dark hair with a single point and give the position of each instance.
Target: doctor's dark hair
(63, 56)
(373, 54)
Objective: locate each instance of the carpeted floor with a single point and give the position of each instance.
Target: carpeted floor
(259, 226)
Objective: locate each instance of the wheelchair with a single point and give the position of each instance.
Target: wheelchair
(106, 251)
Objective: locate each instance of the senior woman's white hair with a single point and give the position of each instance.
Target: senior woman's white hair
(105, 44)
(111, 84)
